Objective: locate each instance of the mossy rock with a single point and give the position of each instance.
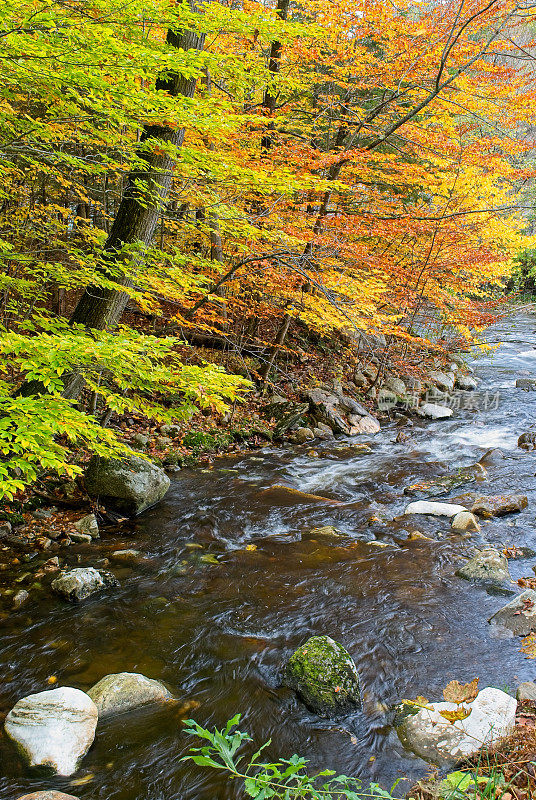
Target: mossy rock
(325, 676)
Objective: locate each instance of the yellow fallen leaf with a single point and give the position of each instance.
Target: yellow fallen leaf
(251, 547)
(457, 715)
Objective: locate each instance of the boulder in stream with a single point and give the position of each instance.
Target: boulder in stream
(527, 384)
(465, 521)
(519, 615)
(446, 483)
(434, 411)
(487, 567)
(499, 505)
(79, 583)
(53, 729)
(435, 509)
(129, 485)
(124, 691)
(325, 407)
(443, 380)
(466, 383)
(325, 676)
(527, 440)
(433, 738)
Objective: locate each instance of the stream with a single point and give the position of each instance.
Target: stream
(233, 581)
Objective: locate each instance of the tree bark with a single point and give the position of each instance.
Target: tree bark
(136, 218)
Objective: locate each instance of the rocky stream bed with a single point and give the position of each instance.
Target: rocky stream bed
(210, 593)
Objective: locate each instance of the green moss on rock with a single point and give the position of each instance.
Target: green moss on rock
(325, 676)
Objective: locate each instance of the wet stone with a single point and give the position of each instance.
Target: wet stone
(124, 691)
(88, 525)
(487, 567)
(499, 506)
(82, 582)
(53, 729)
(325, 676)
(518, 616)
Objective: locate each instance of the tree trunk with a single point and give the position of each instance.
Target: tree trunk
(138, 214)
(136, 219)
(274, 66)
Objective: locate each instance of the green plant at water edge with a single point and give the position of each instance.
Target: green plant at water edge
(286, 778)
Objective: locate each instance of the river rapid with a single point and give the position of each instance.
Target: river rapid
(233, 581)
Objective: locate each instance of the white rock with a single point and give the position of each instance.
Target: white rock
(54, 728)
(435, 509)
(124, 691)
(434, 411)
(465, 521)
(438, 741)
(367, 425)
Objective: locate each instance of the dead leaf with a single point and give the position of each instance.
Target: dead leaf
(458, 714)
(456, 692)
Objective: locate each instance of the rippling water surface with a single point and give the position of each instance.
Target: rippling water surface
(218, 633)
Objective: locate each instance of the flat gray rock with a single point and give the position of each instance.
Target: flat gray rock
(54, 728)
(519, 616)
(124, 691)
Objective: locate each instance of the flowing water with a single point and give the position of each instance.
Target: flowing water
(233, 581)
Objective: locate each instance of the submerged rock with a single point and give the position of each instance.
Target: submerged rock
(325, 530)
(54, 728)
(80, 583)
(130, 485)
(487, 567)
(465, 521)
(440, 742)
(124, 691)
(435, 509)
(434, 411)
(527, 384)
(446, 483)
(499, 506)
(325, 676)
(518, 616)
(527, 440)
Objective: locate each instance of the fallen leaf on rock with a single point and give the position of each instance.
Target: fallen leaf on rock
(458, 714)
(456, 692)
